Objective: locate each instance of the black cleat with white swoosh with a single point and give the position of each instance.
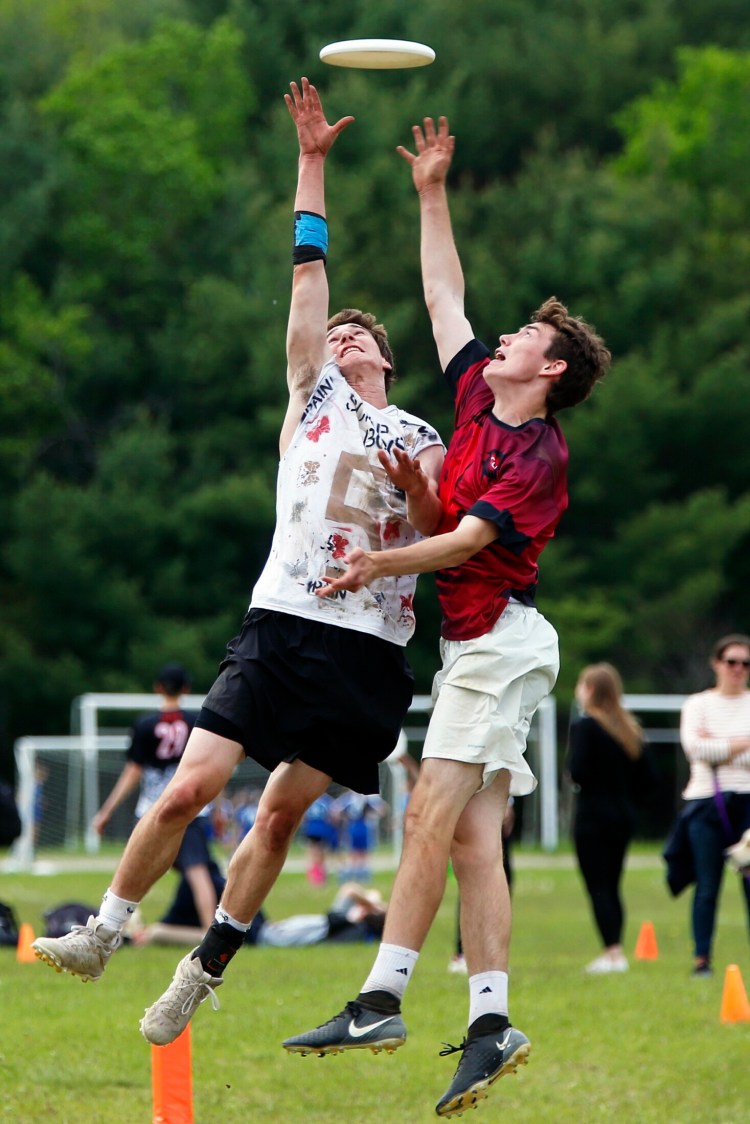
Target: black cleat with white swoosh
(485, 1059)
(355, 1028)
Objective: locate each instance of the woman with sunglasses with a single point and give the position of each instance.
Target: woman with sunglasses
(715, 735)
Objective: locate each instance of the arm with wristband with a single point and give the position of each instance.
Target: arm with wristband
(306, 345)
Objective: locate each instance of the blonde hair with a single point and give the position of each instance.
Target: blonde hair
(605, 706)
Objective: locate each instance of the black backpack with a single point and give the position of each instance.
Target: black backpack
(61, 919)
(8, 926)
(10, 821)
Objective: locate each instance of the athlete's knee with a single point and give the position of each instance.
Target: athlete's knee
(276, 826)
(424, 827)
(472, 856)
(183, 800)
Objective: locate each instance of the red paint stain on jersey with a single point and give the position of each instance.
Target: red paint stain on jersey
(315, 432)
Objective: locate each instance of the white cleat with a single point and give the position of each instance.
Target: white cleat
(82, 952)
(166, 1019)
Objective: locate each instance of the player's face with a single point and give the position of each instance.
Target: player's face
(351, 345)
(521, 355)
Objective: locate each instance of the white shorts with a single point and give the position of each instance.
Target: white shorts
(487, 691)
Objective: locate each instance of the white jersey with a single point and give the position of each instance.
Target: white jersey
(333, 495)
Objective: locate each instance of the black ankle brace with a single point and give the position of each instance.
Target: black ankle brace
(218, 947)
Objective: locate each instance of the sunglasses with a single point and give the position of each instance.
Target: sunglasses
(735, 663)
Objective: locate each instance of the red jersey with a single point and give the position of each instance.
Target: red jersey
(512, 476)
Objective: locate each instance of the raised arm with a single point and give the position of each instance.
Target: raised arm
(306, 346)
(442, 276)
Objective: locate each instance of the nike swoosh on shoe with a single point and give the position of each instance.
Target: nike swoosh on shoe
(358, 1031)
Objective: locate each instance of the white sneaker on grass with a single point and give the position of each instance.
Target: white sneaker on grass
(83, 952)
(605, 964)
(166, 1019)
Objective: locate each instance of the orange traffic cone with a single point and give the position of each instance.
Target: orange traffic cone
(734, 1005)
(172, 1081)
(646, 947)
(24, 951)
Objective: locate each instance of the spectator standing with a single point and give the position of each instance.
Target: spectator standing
(611, 771)
(715, 736)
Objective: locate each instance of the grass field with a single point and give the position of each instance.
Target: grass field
(645, 1047)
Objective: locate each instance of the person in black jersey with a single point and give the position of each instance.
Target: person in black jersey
(157, 742)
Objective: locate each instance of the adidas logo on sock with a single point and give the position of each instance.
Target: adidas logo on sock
(486, 990)
(403, 971)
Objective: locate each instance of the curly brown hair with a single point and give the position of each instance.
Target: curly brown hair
(377, 331)
(583, 350)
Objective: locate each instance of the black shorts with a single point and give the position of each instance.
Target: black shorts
(292, 688)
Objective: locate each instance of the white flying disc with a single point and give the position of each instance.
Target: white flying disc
(377, 54)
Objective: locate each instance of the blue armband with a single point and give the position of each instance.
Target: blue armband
(310, 237)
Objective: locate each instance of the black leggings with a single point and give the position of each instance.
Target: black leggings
(601, 857)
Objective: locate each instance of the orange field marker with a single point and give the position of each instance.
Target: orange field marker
(734, 1005)
(172, 1081)
(24, 951)
(646, 947)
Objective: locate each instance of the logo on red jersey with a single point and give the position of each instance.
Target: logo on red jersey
(491, 464)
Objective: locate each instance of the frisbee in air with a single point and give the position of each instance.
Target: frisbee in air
(377, 54)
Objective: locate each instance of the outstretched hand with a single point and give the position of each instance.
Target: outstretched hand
(434, 153)
(360, 570)
(316, 136)
(404, 472)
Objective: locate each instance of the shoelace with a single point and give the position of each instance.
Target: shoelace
(453, 1049)
(195, 989)
(352, 1009)
(97, 939)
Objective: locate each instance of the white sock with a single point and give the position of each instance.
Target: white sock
(488, 995)
(392, 970)
(221, 917)
(115, 912)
